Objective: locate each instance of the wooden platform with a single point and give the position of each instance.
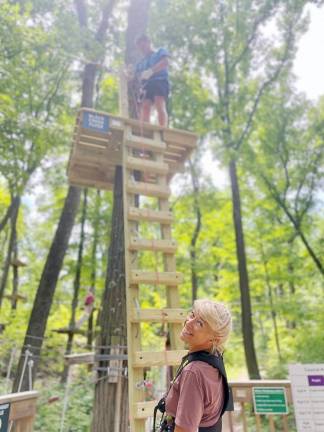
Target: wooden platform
(97, 148)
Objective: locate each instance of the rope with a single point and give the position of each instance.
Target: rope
(12, 357)
(30, 374)
(27, 354)
(66, 399)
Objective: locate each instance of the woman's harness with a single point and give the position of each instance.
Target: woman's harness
(167, 423)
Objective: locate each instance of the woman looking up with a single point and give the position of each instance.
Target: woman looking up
(199, 394)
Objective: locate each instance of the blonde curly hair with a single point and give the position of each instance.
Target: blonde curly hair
(219, 319)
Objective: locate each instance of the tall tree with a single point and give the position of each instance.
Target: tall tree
(238, 63)
(76, 283)
(111, 398)
(288, 160)
(45, 292)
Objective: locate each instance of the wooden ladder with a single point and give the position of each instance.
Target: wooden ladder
(146, 155)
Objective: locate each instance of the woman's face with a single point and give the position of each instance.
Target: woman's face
(197, 333)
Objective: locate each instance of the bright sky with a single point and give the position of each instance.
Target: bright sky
(309, 63)
(309, 69)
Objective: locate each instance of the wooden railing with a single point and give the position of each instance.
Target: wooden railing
(22, 410)
(243, 419)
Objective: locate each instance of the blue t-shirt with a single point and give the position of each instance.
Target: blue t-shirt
(151, 60)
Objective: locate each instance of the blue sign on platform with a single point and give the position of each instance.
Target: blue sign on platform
(95, 122)
(4, 417)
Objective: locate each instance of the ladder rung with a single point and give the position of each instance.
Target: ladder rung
(145, 214)
(143, 410)
(148, 189)
(142, 143)
(166, 246)
(162, 358)
(159, 315)
(147, 166)
(163, 278)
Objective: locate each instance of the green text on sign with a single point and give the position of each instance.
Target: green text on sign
(270, 400)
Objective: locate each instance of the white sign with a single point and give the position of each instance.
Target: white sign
(307, 384)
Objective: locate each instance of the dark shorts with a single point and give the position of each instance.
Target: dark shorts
(156, 88)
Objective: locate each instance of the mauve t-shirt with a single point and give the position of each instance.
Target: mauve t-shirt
(196, 398)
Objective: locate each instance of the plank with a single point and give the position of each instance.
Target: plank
(23, 409)
(147, 166)
(156, 278)
(145, 214)
(142, 143)
(164, 358)
(177, 136)
(166, 246)
(147, 189)
(15, 297)
(14, 397)
(159, 315)
(84, 358)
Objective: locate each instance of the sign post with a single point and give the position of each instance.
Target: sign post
(4, 417)
(270, 400)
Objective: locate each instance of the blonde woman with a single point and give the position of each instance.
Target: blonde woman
(199, 395)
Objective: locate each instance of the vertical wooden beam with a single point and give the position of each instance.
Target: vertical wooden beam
(272, 423)
(285, 423)
(258, 423)
(123, 98)
(136, 394)
(245, 429)
(172, 292)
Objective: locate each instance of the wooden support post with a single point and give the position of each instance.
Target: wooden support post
(272, 423)
(258, 423)
(285, 423)
(123, 96)
(243, 415)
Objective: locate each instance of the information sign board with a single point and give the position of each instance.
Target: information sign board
(307, 385)
(96, 122)
(270, 400)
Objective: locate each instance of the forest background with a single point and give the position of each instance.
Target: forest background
(232, 83)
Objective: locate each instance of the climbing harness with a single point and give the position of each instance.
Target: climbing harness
(167, 423)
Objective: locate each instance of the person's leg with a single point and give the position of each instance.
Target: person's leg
(160, 105)
(145, 112)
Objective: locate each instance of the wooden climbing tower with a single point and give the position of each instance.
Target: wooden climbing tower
(150, 156)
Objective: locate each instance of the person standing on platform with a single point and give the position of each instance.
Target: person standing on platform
(152, 72)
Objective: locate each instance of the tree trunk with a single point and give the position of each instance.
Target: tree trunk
(112, 398)
(247, 324)
(15, 277)
(76, 285)
(44, 296)
(93, 276)
(15, 202)
(113, 325)
(271, 303)
(37, 323)
(195, 235)
(12, 239)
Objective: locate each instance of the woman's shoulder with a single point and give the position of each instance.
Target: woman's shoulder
(199, 367)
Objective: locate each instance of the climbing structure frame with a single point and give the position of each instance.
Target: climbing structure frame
(150, 156)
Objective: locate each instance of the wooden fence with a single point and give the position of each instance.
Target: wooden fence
(243, 419)
(22, 410)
